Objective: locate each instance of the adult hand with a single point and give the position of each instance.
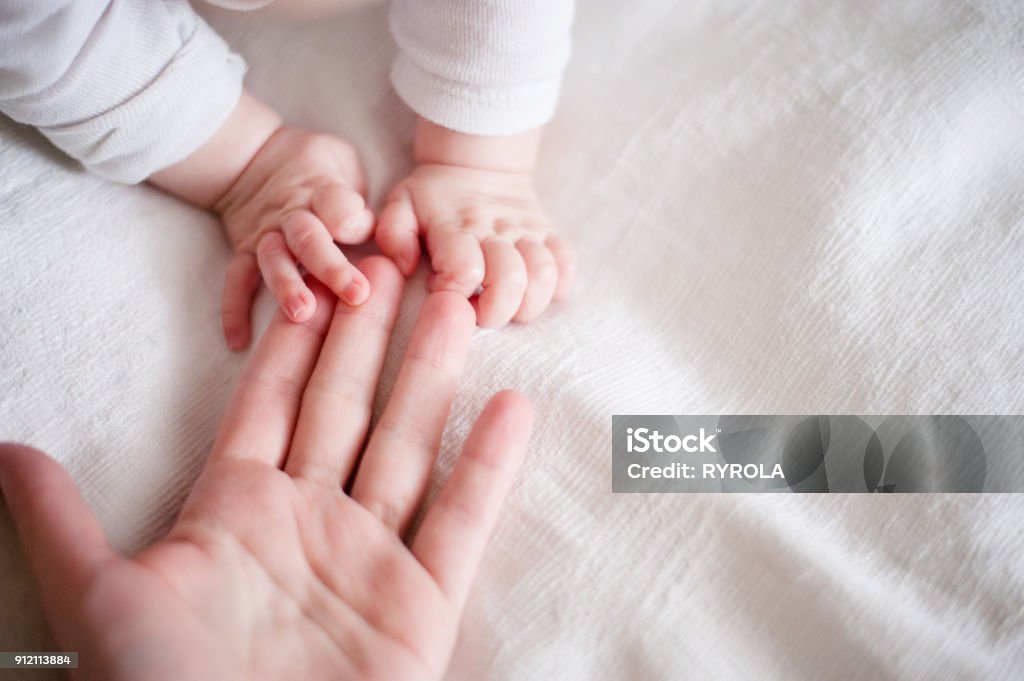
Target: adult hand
(272, 570)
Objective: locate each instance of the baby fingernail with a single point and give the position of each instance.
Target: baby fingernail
(355, 292)
(295, 308)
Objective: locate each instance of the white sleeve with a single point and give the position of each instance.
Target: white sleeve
(483, 67)
(127, 87)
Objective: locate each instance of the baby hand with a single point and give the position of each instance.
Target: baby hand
(300, 193)
(483, 227)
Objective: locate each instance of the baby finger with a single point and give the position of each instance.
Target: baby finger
(240, 284)
(343, 211)
(457, 260)
(566, 260)
(282, 276)
(543, 277)
(504, 284)
(313, 246)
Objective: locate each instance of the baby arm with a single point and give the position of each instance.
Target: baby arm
(285, 197)
(472, 198)
(138, 90)
(484, 80)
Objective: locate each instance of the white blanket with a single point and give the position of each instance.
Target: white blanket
(779, 207)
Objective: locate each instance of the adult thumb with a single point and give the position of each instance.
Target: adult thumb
(62, 539)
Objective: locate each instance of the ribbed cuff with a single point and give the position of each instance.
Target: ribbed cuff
(240, 5)
(167, 120)
(471, 109)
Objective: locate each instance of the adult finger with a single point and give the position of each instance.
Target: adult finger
(261, 413)
(343, 211)
(458, 261)
(282, 276)
(398, 234)
(63, 541)
(240, 284)
(504, 284)
(338, 401)
(566, 260)
(455, 530)
(401, 453)
(309, 241)
(542, 276)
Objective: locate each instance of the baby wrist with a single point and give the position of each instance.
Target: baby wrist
(435, 144)
(207, 174)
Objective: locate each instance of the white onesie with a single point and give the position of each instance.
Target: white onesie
(129, 87)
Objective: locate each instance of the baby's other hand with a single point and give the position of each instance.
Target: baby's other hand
(301, 193)
(483, 228)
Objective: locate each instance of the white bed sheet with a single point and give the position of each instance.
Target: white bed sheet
(794, 207)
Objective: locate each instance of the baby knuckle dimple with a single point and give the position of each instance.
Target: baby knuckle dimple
(471, 213)
(505, 227)
(444, 228)
(479, 229)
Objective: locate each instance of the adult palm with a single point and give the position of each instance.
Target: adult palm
(272, 569)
